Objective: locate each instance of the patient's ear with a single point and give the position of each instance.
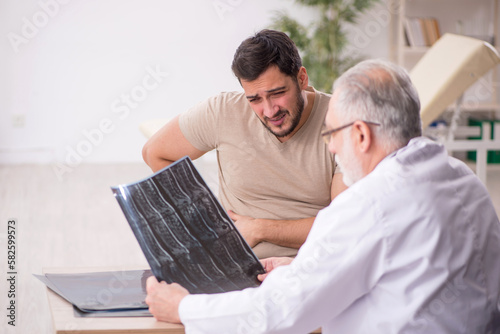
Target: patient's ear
(303, 78)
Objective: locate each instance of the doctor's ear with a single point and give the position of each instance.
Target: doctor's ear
(362, 135)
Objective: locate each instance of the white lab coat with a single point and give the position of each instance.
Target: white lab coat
(414, 247)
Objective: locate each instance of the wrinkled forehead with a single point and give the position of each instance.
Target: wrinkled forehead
(270, 79)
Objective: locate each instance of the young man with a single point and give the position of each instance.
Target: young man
(275, 173)
(412, 246)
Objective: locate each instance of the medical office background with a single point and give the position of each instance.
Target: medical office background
(78, 78)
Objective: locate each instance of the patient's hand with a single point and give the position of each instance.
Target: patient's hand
(271, 263)
(247, 227)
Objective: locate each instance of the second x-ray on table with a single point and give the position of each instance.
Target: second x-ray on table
(185, 233)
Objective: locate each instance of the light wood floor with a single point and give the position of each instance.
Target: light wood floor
(75, 222)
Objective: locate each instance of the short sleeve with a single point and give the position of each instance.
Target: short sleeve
(199, 124)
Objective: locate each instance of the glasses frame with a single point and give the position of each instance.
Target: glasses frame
(327, 135)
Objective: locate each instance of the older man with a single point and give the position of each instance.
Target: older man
(413, 246)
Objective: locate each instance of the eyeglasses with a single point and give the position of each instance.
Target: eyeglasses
(327, 135)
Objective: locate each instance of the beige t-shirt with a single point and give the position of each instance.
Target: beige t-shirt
(259, 176)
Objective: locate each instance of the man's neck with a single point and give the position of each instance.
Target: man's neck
(378, 154)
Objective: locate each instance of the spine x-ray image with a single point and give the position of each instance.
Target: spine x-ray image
(184, 232)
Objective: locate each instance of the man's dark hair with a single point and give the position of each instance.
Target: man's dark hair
(267, 48)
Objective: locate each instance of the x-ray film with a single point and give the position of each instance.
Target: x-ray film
(184, 232)
(109, 294)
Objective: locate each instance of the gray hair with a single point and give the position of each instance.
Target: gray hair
(382, 92)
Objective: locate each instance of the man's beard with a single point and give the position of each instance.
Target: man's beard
(295, 117)
(349, 164)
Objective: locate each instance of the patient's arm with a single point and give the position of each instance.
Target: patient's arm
(168, 145)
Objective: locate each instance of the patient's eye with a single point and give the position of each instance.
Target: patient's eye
(254, 99)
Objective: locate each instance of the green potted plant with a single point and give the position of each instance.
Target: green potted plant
(322, 43)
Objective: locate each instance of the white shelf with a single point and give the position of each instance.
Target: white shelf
(448, 14)
(478, 107)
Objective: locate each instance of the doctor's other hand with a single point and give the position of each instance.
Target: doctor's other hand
(163, 299)
(271, 263)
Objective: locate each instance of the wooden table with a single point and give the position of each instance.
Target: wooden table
(65, 321)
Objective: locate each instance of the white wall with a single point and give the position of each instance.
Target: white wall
(67, 68)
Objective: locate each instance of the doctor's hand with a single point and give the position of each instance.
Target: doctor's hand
(163, 299)
(271, 263)
(247, 226)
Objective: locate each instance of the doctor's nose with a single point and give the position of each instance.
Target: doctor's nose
(331, 146)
